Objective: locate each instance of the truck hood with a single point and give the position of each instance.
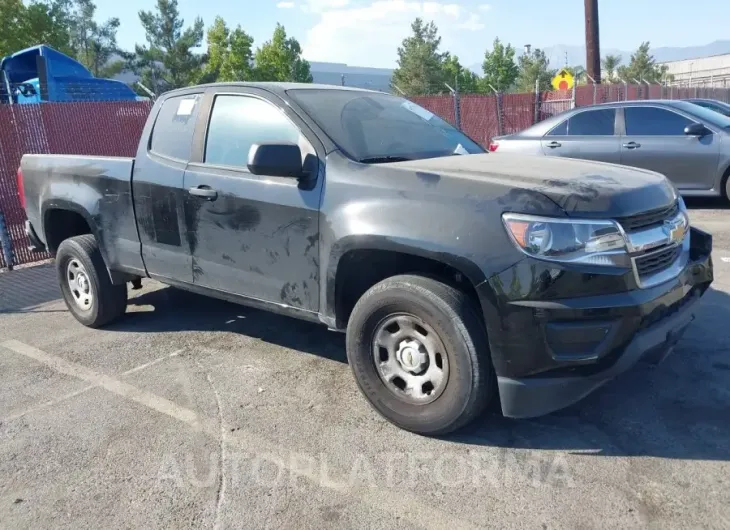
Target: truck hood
(580, 188)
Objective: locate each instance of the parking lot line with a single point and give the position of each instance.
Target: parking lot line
(70, 395)
(406, 506)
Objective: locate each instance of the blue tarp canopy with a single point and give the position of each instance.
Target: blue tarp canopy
(66, 78)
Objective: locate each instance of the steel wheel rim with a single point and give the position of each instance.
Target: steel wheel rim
(79, 285)
(410, 358)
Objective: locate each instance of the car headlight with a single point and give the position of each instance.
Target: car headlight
(593, 242)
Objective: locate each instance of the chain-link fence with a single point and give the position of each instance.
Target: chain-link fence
(485, 116)
(113, 128)
(104, 128)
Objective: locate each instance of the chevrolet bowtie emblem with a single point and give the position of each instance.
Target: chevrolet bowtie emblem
(676, 230)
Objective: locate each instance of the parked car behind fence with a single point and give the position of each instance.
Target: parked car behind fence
(687, 143)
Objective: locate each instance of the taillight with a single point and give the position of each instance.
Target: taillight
(21, 188)
(493, 146)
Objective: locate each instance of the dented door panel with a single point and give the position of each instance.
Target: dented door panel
(259, 238)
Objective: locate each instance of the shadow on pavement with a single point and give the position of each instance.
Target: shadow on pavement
(706, 203)
(179, 310)
(679, 409)
(24, 288)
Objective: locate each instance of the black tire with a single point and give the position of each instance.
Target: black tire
(108, 301)
(453, 316)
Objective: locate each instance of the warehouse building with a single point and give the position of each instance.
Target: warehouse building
(711, 71)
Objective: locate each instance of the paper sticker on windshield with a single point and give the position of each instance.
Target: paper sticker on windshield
(419, 111)
(186, 106)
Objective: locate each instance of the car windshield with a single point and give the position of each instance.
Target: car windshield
(704, 114)
(372, 127)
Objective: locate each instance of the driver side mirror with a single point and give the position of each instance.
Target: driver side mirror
(696, 129)
(276, 160)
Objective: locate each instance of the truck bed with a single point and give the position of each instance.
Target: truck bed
(99, 189)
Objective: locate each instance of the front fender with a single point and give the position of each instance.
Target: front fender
(463, 238)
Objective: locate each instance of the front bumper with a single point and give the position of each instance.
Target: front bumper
(550, 351)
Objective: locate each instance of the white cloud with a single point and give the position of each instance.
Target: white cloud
(473, 23)
(369, 34)
(285, 5)
(485, 7)
(317, 6)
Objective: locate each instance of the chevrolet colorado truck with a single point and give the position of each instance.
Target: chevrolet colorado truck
(458, 275)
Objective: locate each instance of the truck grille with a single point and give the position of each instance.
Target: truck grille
(649, 219)
(657, 260)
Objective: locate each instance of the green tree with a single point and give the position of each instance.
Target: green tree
(534, 67)
(500, 70)
(280, 59)
(420, 64)
(37, 22)
(95, 44)
(579, 73)
(642, 67)
(14, 17)
(457, 76)
(610, 65)
(168, 60)
(229, 56)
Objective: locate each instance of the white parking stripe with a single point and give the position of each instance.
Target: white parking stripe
(47, 404)
(71, 395)
(407, 506)
(152, 363)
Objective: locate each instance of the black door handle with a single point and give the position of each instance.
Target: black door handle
(632, 145)
(204, 192)
(553, 145)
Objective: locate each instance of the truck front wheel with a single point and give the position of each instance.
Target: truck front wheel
(85, 284)
(420, 355)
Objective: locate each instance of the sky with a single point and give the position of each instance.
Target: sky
(368, 32)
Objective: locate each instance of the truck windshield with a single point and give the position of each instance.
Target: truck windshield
(371, 127)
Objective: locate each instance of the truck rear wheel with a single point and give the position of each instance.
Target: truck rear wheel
(419, 353)
(85, 284)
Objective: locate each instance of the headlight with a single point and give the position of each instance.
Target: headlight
(568, 240)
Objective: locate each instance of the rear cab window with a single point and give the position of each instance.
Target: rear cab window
(172, 135)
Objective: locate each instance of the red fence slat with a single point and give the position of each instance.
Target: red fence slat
(89, 128)
(109, 128)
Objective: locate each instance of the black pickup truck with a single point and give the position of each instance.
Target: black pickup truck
(457, 274)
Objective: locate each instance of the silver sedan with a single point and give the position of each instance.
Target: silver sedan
(687, 143)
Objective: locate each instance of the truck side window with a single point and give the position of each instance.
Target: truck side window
(172, 136)
(238, 122)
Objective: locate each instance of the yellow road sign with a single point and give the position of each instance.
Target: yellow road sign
(563, 80)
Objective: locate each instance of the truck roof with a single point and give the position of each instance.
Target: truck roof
(275, 87)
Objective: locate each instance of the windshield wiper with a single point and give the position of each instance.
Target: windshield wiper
(383, 159)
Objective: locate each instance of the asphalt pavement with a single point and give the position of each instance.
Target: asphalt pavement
(196, 413)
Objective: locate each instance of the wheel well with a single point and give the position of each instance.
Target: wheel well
(63, 224)
(358, 270)
(723, 183)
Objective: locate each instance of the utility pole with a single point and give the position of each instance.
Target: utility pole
(593, 47)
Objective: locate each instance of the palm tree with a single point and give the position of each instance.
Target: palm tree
(610, 65)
